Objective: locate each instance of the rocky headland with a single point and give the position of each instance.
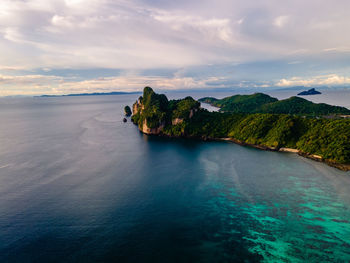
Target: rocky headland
(322, 140)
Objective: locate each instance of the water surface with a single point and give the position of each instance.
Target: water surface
(79, 185)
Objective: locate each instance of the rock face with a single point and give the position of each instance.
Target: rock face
(153, 113)
(136, 108)
(177, 121)
(145, 129)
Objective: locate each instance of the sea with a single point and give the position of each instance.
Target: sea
(77, 184)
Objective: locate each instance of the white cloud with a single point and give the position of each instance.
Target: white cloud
(281, 21)
(213, 28)
(226, 31)
(55, 85)
(12, 34)
(132, 81)
(323, 80)
(337, 49)
(142, 34)
(61, 21)
(27, 84)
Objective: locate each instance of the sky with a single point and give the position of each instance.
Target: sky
(75, 46)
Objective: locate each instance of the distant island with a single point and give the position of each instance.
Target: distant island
(91, 94)
(309, 92)
(321, 139)
(263, 103)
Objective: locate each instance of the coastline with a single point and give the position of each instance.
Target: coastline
(154, 114)
(343, 167)
(314, 157)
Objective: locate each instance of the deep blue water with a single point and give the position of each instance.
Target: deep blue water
(79, 185)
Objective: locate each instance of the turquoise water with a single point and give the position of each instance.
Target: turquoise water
(79, 185)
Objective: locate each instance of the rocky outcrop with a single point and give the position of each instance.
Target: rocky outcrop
(177, 121)
(135, 109)
(153, 112)
(147, 130)
(137, 106)
(147, 116)
(127, 111)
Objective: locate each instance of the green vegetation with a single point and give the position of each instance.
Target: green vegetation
(270, 130)
(181, 108)
(262, 103)
(297, 105)
(127, 111)
(325, 137)
(156, 110)
(240, 103)
(329, 138)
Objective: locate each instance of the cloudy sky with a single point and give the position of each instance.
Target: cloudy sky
(73, 46)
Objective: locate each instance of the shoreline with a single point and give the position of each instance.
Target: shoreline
(318, 158)
(170, 119)
(314, 157)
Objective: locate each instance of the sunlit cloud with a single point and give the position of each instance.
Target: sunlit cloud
(55, 85)
(324, 80)
(192, 35)
(281, 21)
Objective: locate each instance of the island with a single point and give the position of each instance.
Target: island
(321, 139)
(263, 103)
(309, 92)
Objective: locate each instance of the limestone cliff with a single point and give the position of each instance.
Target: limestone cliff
(136, 108)
(147, 130)
(153, 113)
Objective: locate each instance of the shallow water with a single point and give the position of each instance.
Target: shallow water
(79, 185)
